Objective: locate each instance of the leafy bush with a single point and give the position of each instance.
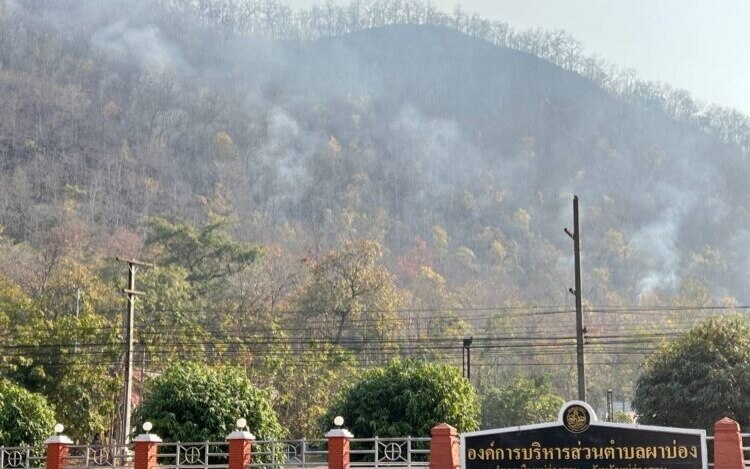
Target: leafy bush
(406, 398)
(26, 418)
(192, 402)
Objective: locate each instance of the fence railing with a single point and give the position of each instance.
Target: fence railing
(364, 452)
(745, 449)
(100, 456)
(289, 453)
(390, 452)
(206, 455)
(23, 457)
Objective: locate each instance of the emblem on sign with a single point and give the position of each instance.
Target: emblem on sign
(576, 419)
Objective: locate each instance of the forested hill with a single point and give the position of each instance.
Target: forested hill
(488, 134)
(387, 133)
(405, 173)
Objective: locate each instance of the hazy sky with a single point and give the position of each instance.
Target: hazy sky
(700, 45)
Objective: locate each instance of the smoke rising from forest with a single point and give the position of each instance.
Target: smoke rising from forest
(144, 45)
(346, 184)
(490, 135)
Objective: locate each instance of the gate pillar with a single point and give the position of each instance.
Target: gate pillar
(145, 451)
(728, 452)
(57, 451)
(240, 449)
(444, 451)
(338, 448)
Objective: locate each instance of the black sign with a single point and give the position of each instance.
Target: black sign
(578, 441)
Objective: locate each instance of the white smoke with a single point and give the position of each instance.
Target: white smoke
(436, 147)
(144, 44)
(284, 153)
(657, 242)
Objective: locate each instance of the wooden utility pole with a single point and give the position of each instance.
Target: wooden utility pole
(132, 294)
(580, 330)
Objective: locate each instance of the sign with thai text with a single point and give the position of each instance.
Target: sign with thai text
(579, 441)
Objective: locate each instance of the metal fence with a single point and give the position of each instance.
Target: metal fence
(100, 456)
(290, 453)
(745, 449)
(206, 455)
(364, 453)
(390, 452)
(23, 457)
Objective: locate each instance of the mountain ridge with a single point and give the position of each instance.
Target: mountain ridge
(445, 128)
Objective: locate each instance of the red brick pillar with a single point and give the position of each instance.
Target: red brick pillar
(240, 449)
(444, 450)
(57, 451)
(338, 448)
(728, 445)
(145, 451)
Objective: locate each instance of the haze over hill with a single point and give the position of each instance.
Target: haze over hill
(453, 142)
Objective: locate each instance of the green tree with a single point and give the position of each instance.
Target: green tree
(429, 293)
(16, 309)
(406, 398)
(303, 380)
(698, 378)
(72, 361)
(171, 323)
(522, 400)
(63, 350)
(207, 252)
(192, 402)
(26, 418)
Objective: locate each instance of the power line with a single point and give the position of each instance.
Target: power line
(541, 310)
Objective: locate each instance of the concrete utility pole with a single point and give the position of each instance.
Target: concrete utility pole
(132, 294)
(580, 330)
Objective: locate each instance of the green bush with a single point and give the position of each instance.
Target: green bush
(192, 402)
(26, 418)
(406, 398)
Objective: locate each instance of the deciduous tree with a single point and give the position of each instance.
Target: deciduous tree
(352, 295)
